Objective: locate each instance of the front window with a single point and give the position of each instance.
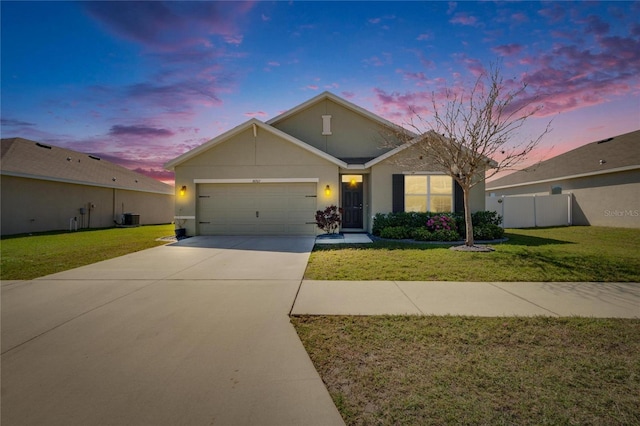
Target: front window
(433, 193)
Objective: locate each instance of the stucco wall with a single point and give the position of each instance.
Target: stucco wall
(353, 135)
(381, 182)
(244, 156)
(32, 205)
(604, 200)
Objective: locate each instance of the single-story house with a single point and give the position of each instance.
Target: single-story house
(46, 188)
(603, 178)
(271, 177)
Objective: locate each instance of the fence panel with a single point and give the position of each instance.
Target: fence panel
(529, 211)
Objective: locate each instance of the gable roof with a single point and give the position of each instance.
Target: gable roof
(170, 165)
(344, 103)
(615, 154)
(34, 160)
(415, 140)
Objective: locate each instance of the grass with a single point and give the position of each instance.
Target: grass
(26, 257)
(543, 254)
(485, 371)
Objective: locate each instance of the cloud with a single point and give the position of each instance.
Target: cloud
(554, 14)
(463, 18)
(144, 131)
(508, 49)
(166, 26)
(14, 123)
(255, 114)
(596, 26)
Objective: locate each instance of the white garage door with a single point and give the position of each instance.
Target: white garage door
(256, 208)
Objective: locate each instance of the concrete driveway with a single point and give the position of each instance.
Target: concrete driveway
(192, 333)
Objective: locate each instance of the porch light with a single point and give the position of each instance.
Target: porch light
(183, 190)
(327, 190)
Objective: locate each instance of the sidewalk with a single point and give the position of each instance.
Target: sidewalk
(488, 299)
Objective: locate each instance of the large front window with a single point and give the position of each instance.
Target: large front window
(432, 193)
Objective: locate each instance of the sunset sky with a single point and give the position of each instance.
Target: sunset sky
(139, 83)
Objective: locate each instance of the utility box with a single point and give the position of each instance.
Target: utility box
(130, 219)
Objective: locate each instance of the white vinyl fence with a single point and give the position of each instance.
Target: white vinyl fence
(529, 211)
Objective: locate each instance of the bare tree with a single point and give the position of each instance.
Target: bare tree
(472, 134)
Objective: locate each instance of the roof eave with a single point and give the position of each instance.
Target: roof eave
(242, 127)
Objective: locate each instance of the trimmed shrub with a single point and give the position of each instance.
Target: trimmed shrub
(422, 226)
(486, 217)
(487, 231)
(445, 235)
(396, 232)
(422, 234)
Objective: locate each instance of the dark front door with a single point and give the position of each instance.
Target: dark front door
(352, 204)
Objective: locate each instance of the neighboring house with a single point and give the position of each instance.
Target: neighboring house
(271, 178)
(603, 178)
(45, 187)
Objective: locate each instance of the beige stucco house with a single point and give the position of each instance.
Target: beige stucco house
(271, 177)
(47, 188)
(603, 178)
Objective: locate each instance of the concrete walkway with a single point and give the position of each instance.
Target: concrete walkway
(192, 333)
(603, 300)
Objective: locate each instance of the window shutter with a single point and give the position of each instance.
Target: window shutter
(458, 198)
(398, 193)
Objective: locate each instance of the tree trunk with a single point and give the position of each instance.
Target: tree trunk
(467, 216)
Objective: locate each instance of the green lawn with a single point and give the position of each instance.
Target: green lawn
(545, 254)
(27, 257)
(482, 371)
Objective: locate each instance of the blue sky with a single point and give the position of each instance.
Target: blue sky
(140, 83)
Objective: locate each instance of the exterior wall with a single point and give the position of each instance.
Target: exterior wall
(352, 135)
(33, 205)
(382, 194)
(603, 200)
(244, 156)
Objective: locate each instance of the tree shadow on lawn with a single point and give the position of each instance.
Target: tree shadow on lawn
(531, 241)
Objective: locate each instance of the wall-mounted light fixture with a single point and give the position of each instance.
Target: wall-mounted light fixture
(183, 190)
(327, 190)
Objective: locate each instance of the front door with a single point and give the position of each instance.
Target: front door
(352, 192)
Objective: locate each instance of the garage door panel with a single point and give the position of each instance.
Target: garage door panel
(230, 209)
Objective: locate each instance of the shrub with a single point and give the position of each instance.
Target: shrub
(485, 217)
(329, 219)
(487, 231)
(441, 222)
(396, 232)
(422, 234)
(445, 235)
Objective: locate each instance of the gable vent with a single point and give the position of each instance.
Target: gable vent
(326, 125)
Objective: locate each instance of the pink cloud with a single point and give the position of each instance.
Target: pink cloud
(167, 26)
(464, 18)
(255, 114)
(553, 13)
(519, 17)
(508, 49)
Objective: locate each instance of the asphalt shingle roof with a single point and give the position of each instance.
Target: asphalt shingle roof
(25, 158)
(596, 157)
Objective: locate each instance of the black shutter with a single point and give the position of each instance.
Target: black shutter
(398, 193)
(458, 198)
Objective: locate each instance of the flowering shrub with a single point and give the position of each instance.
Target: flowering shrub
(441, 222)
(329, 219)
